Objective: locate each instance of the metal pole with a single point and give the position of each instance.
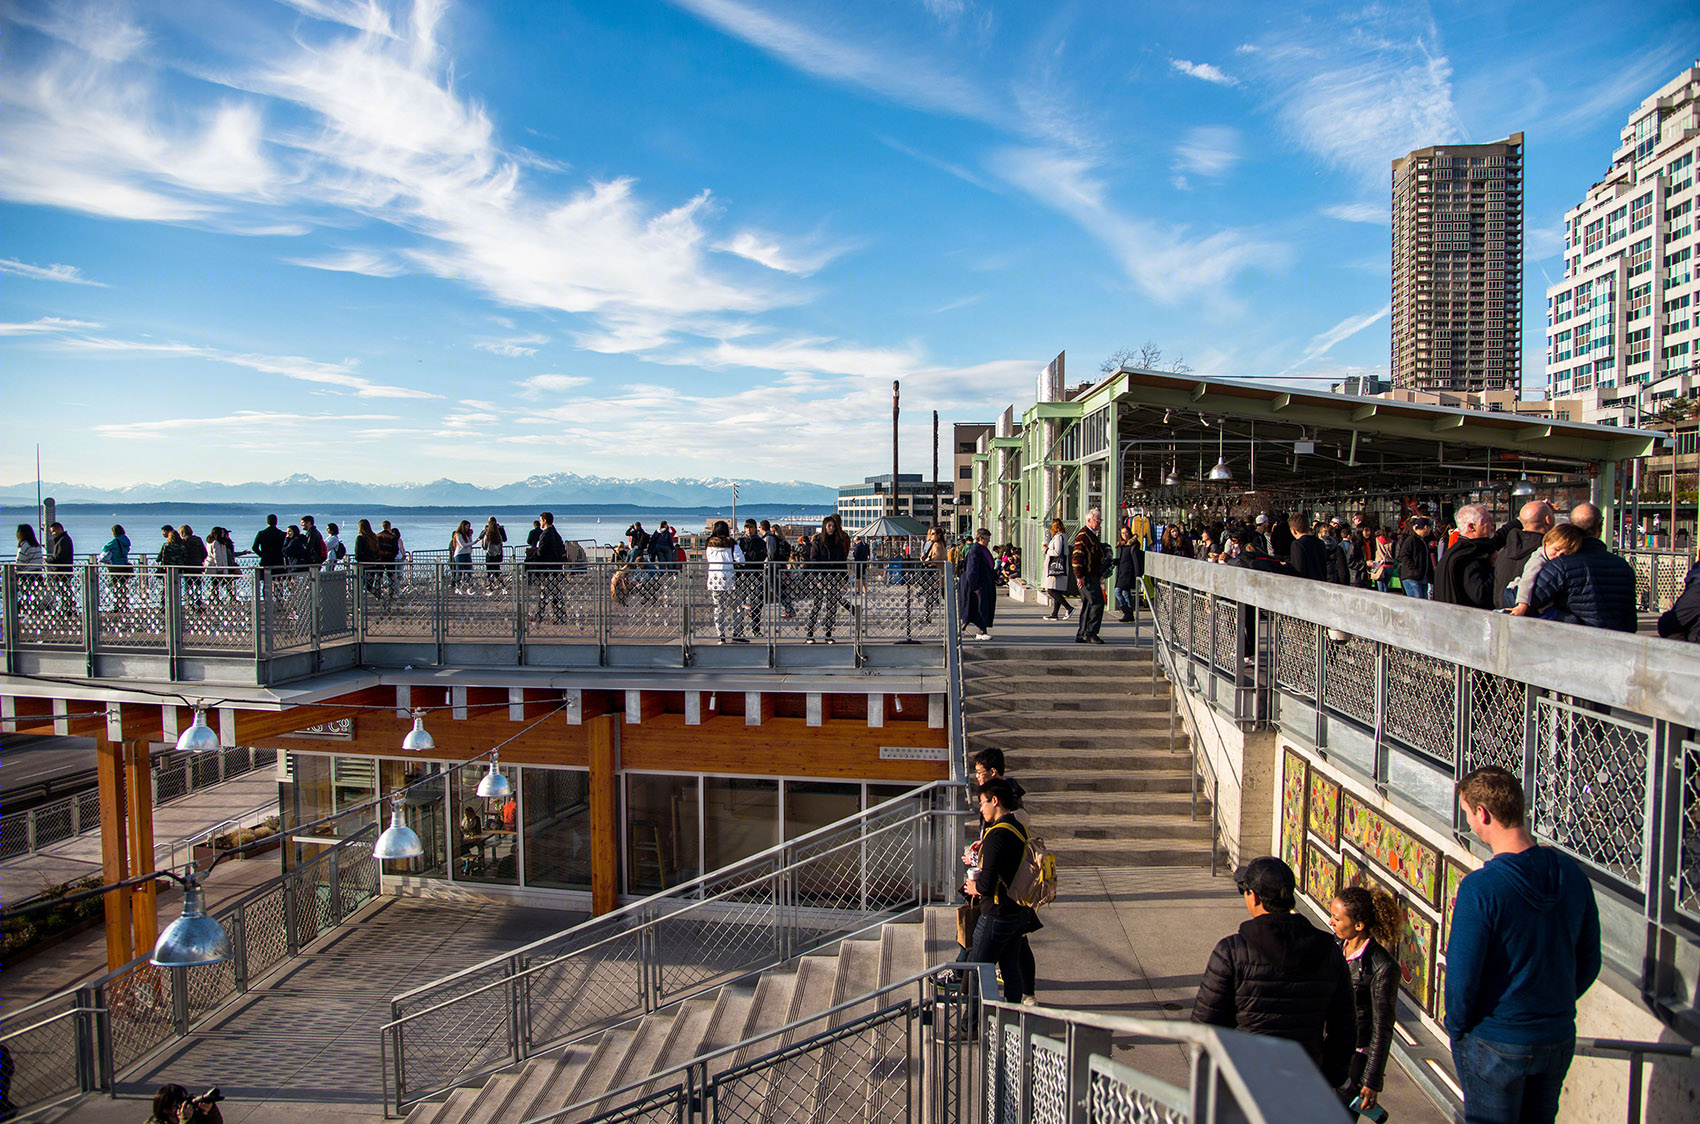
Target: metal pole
(938, 522)
(892, 495)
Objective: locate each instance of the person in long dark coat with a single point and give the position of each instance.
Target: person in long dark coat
(980, 587)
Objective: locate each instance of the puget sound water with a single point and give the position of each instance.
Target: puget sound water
(422, 528)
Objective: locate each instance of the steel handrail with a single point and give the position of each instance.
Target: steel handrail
(686, 905)
(685, 888)
(985, 975)
(1172, 672)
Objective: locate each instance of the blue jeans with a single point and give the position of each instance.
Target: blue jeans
(1414, 588)
(997, 940)
(1511, 1082)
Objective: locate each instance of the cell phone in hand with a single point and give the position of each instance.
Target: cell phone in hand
(1375, 1112)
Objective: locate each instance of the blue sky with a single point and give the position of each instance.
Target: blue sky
(416, 239)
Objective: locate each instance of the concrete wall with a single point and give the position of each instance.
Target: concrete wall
(1246, 764)
(1598, 1088)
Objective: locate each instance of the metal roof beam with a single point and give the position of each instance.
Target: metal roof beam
(1532, 433)
(1364, 413)
(1450, 421)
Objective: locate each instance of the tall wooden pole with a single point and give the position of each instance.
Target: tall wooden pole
(114, 851)
(603, 735)
(893, 446)
(138, 788)
(937, 521)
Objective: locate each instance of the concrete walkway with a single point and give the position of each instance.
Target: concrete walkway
(78, 857)
(305, 1045)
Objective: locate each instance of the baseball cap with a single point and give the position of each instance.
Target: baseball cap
(1263, 519)
(1270, 879)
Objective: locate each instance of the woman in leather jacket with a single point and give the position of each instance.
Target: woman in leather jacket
(1367, 923)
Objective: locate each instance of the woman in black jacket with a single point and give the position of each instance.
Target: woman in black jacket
(1003, 921)
(1130, 567)
(1367, 923)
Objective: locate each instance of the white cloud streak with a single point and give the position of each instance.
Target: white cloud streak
(1205, 71)
(1375, 213)
(1322, 343)
(339, 375)
(67, 274)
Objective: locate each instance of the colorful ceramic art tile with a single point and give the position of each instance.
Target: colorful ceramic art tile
(1454, 874)
(1293, 810)
(1408, 859)
(1325, 808)
(1322, 874)
(1416, 955)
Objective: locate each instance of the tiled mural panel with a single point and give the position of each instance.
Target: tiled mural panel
(1322, 874)
(1407, 858)
(1292, 810)
(1325, 809)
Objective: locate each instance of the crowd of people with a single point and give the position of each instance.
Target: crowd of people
(1537, 564)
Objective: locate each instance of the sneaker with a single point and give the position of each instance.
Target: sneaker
(1029, 1001)
(722, 640)
(983, 636)
(810, 640)
(1094, 639)
(1067, 613)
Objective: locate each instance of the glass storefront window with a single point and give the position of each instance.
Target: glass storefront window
(557, 828)
(486, 843)
(422, 810)
(879, 793)
(814, 804)
(740, 818)
(661, 832)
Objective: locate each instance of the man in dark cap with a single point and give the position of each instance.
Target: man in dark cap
(1280, 975)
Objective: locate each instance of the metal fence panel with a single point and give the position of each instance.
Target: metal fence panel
(1118, 1094)
(217, 610)
(1688, 846)
(1348, 683)
(41, 1046)
(834, 1078)
(1295, 656)
(1591, 786)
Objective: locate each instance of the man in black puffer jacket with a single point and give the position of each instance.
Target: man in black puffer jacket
(1517, 540)
(1593, 586)
(1280, 975)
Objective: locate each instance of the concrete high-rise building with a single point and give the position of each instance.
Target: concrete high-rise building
(1458, 267)
(1620, 325)
(965, 439)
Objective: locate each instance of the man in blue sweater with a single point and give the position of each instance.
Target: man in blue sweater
(1524, 946)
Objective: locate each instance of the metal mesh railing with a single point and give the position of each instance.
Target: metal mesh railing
(802, 895)
(833, 1078)
(1591, 786)
(267, 613)
(1688, 844)
(1295, 656)
(1119, 1094)
(1348, 680)
(1421, 697)
(42, 1043)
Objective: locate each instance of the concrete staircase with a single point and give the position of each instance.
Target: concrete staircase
(1082, 731)
(722, 1018)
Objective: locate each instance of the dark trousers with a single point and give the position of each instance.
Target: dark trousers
(997, 940)
(1511, 1083)
(1091, 608)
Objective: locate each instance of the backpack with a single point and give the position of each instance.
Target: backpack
(1035, 881)
(781, 550)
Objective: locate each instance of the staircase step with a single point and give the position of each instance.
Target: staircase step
(1134, 745)
(1137, 701)
(1129, 854)
(1131, 827)
(641, 1057)
(1053, 809)
(733, 1007)
(903, 952)
(1045, 784)
(604, 1063)
(544, 1077)
(1063, 651)
(686, 1037)
(492, 1099)
(1054, 681)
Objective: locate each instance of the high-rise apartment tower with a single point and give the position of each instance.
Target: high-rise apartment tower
(1623, 315)
(1458, 267)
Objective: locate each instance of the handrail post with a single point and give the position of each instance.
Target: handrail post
(440, 605)
(180, 1000)
(91, 615)
(170, 577)
(335, 879)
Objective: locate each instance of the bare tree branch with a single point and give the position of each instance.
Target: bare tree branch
(1147, 357)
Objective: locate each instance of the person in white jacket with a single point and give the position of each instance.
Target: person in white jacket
(723, 555)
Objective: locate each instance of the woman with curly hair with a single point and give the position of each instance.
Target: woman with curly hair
(1367, 923)
(1056, 572)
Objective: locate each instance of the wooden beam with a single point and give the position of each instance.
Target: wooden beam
(138, 790)
(1451, 421)
(114, 867)
(1364, 413)
(604, 814)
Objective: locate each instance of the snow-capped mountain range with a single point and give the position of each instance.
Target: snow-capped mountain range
(559, 488)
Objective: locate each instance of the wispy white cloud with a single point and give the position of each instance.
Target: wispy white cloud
(539, 386)
(1164, 261)
(1208, 150)
(839, 52)
(1358, 212)
(241, 421)
(1322, 343)
(289, 366)
(768, 251)
(1358, 92)
(369, 262)
(1203, 70)
(69, 274)
(47, 325)
(516, 347)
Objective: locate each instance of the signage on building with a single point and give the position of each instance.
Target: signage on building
(914, 753)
